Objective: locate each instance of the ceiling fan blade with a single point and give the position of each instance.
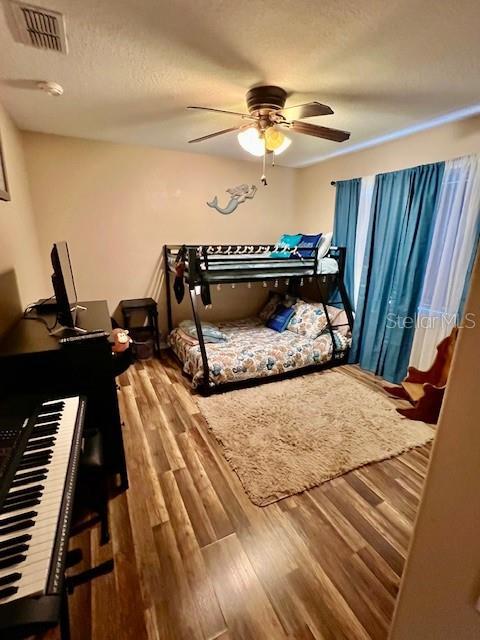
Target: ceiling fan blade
(213, 135)
(308, 110)
(231, 113)
(320, 132)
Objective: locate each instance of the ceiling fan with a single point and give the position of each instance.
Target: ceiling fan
(267, 117)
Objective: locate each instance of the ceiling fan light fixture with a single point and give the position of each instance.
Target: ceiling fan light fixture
(273, 138)
(250, 140)
(284, 146)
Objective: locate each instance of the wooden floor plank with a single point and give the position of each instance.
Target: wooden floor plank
(333, 555)
(324, 609)
(266, 546)
(140, 464)
(383, 572)
(197, 513)
(80, 602)
(246, 608)
(140, 498)
(229, 500)
(105, 619)
(364, 528)
(127, 583)
(390, 528)
(214, 508)
(191, 562)
(336, 519)
(181, 620)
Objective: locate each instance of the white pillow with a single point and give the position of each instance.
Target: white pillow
(325, 243)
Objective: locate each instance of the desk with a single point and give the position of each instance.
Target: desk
(33, 362)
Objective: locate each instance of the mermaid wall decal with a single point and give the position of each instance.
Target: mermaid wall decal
(238, 195)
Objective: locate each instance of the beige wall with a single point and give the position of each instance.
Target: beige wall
(19, 248)
(442, 576)
(116, 205)
(315, 197)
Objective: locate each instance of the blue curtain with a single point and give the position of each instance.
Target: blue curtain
(345, 225)
(398, 242)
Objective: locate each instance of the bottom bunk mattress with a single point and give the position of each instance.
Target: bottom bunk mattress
(252, 350)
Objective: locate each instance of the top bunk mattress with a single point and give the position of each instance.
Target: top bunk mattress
(247, 263)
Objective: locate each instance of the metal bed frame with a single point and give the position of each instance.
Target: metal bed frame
(208, 264)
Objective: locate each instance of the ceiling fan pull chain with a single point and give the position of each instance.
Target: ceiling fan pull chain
(263, 179)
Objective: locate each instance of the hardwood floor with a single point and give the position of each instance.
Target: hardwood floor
(196, 560)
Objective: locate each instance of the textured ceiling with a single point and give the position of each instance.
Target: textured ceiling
(134, 65)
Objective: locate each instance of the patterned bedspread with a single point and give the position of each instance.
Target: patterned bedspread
(254, 351)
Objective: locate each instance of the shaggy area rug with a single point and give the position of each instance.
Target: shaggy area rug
(292, 435)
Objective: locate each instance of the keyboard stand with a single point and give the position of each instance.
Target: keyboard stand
(71, 582)
(64, 615)
(89, 574)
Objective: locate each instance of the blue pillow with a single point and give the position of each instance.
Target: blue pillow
(307, 246)
(281, 318)
(286, 242)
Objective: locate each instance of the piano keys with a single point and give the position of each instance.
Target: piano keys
(36, 500)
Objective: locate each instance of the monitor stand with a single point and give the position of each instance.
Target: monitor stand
(74, 329)
(62, 328)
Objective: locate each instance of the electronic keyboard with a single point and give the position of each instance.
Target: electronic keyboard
(37, 484)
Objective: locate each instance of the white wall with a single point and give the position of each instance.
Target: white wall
(116, 205)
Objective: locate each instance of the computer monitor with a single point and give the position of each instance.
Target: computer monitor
(64, 285)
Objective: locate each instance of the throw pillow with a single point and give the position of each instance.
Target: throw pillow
(281, 318)
(211, 333)
(285, 245)
(309, 319)
(325, 243)
(307, 245)
(339, 322)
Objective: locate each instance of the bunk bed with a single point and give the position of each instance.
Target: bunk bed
(253, 353)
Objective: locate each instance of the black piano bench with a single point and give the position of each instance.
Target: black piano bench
(91, 495)
(92, 485)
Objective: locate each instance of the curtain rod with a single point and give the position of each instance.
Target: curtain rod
(333, 183)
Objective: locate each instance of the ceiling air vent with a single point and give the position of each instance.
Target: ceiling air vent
(40, 28)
